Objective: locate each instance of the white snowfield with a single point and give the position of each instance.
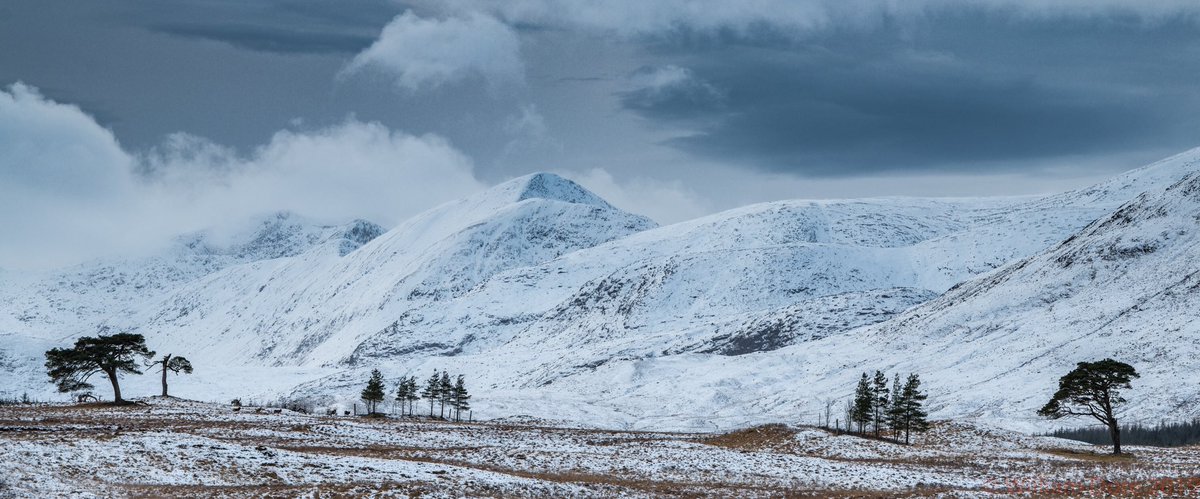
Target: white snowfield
(176, 448)
(555, 303)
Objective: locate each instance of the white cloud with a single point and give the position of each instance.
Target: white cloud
(351, 170)
(56, 145)
(68, 191)
(527, 122)
(61, 176)
(422, 53)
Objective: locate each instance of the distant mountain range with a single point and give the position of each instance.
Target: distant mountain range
(556, 303)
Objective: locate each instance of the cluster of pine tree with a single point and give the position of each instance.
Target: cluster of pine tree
(900, 410)
(438, 390)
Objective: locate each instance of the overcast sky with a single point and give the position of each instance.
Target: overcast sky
(148, 117)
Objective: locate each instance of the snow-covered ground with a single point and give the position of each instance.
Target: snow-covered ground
(179, 448)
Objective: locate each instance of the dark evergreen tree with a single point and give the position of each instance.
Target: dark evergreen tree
(445, 390)
(1163, 434)
(1093, 389)
(462, 399)
(402, 395)
(894, 409)
(70, 368)
(864, 401)
(911, 407)
(432, 391)
(374, 392)
(879, 405)
(413, 395)
(172, 363)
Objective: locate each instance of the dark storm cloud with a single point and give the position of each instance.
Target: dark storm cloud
(954, 91)
(671, 92)
(282, 26)
(271, 39)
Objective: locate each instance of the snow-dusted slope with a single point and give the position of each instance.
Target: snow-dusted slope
(77, 299)
(39, 310)
(315, 310)
(1127, 286)
(558, 303)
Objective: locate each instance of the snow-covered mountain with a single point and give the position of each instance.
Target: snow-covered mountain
(58, 302)
(1126, 286)
(47, 308)
(993, 347)
(560, 304)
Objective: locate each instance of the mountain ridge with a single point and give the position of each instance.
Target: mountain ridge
(544, 291)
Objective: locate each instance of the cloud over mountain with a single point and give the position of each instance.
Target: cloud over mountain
(425, 52)
(61, 169)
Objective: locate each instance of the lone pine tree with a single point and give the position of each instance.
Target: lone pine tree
(70, 368)
(1093, 389)
(172, 363)
(374, 392)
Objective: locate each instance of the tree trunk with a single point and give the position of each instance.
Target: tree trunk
(1115, 431)
(112, 378)
(165, 361)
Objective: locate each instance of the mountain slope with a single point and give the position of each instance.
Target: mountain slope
(559, 304)
(1123, 287)
(313, 310)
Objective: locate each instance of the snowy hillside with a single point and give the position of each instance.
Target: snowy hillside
(560, 304)
(1123, 287)
(319, 309)
(39, 310)
(992, 348)
(58, 302)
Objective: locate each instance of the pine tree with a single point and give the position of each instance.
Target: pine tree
(445, 390)
(879, 390)
(864, 401)
(1093, 389)
(894, 407)
(431, 391)
(111, 355)
(912, 407)
(402, 395)
(374, 392)
(413, 396)
(172, 363)
(461, 398)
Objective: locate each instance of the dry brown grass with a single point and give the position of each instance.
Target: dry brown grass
(758, 438)
(1095, 457)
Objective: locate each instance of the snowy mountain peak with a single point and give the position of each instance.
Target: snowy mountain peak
(278, 235)
(548, 186)
(355, 234)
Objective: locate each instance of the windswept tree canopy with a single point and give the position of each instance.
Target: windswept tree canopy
(1092, 389)
(70, 368)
